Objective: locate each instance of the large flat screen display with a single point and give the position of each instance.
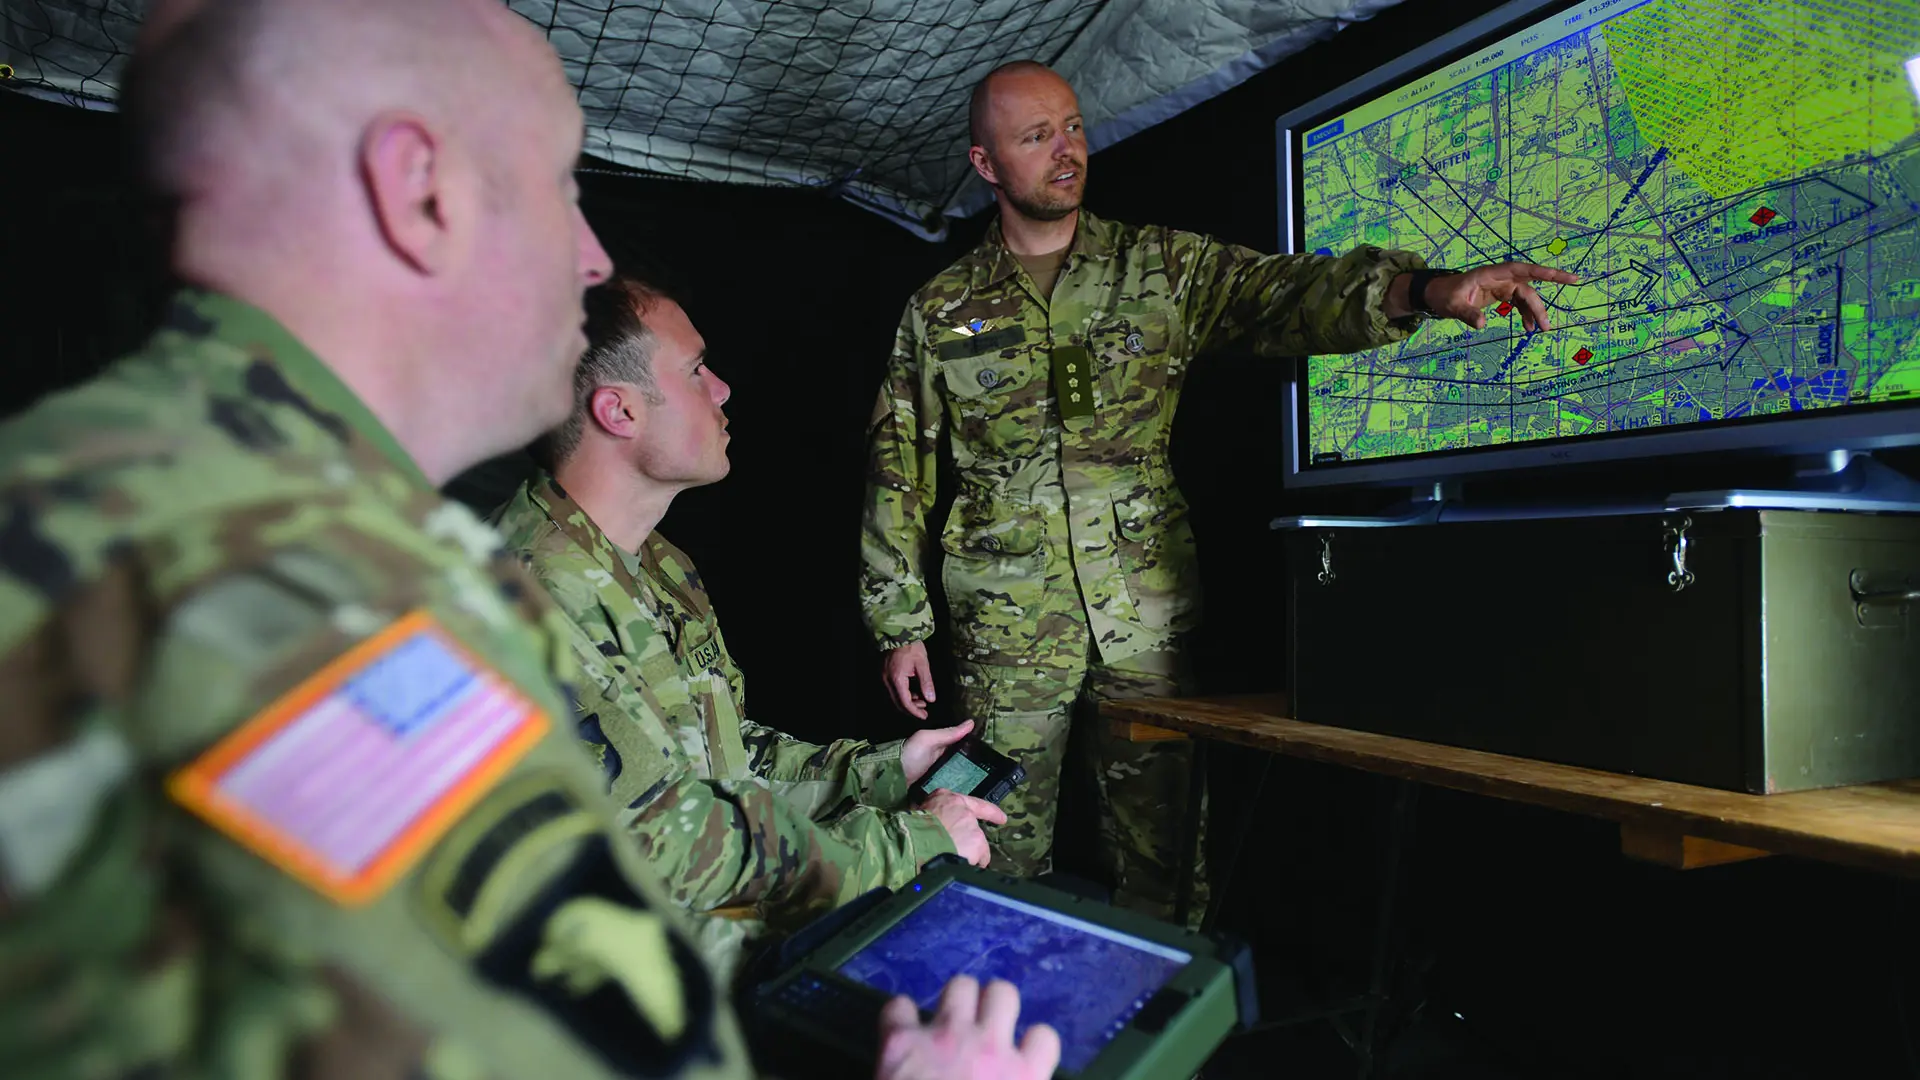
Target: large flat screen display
(1737, 182)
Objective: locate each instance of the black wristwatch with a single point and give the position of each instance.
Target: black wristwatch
(1417, 287)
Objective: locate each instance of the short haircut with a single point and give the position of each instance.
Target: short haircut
(982, 95)
(619, 350)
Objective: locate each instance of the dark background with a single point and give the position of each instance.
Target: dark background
(1531, 948)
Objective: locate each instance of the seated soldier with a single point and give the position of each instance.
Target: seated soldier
(663, 703)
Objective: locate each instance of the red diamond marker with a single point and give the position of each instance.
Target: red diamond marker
(1762, 216)
(1505, 308)
(1583, 356)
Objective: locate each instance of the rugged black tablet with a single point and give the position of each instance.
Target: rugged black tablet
(1130, 996)
(971, 767)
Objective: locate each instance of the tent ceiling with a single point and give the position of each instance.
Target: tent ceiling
(864, 97)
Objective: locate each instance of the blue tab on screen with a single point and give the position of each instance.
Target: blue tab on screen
(1315, 138)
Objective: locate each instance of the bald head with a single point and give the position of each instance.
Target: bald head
(220, 87)
(393, 181)
(1011, 75)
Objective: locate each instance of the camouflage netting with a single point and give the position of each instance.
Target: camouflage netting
(866, 97)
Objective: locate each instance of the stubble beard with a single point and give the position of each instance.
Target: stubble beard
(1042, 204)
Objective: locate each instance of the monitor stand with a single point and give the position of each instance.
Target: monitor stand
(1840, 480)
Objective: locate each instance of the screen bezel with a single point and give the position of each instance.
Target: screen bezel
(997, 765)
(1879, 426)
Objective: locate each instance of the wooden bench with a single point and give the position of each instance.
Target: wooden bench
(1871, 826)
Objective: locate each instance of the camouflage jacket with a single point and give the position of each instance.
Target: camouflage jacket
(664, 706)
(973, 367)
(402, 864)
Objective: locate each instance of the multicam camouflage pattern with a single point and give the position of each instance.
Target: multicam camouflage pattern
(732, 813)
(186, 539)
(971, 368)
(1142, 786)
(1068, 537)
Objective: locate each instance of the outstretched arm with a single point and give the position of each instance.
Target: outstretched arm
(1465, 296)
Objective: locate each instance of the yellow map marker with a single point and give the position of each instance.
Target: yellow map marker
(1559, 245)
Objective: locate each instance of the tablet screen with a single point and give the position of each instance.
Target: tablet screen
(959, 774)
(1086, 980)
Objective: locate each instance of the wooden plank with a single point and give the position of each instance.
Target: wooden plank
(1873, 826)
(1134, 731)
(1679, 851)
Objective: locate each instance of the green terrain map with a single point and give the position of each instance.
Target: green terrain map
(1737, 183)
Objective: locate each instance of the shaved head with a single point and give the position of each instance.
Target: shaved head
(218, 86)
(980, 109)
(392, 180)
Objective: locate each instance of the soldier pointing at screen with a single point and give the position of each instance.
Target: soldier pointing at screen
(1048, 363)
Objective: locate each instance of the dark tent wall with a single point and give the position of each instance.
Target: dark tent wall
(1532, 948)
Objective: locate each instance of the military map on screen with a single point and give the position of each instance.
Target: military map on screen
(1085, 980)
(1736, 181)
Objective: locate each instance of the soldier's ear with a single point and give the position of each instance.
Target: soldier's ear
(983, 164)
(614, 412)
(403, 167)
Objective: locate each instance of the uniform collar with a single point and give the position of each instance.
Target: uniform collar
(544, 492)
(993, 263)
(218, 317)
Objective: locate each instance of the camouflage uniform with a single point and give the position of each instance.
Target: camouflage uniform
(183, 542)
(663, 705)
(1068, 563)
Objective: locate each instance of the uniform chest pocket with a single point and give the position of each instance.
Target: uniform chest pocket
(1134, 351)
(979, 380)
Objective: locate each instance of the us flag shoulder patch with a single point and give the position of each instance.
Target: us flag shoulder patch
(346, 780)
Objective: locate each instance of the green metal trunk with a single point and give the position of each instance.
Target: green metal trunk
(1774, 651)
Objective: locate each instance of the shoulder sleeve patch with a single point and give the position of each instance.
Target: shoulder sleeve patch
(347, 779)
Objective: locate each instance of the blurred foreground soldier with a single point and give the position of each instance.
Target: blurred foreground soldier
(1048, 363)
(726, 808)
(285, 781)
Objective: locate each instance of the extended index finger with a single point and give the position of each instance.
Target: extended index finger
(1536, 272)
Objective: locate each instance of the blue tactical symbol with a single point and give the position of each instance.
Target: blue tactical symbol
(1136, 344)
(989, 378)
(976, 325)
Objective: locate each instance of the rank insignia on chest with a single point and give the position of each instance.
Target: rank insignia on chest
(1073, 381)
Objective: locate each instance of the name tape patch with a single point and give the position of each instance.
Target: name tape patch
(346, 780)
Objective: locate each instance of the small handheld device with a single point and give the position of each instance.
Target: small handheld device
(970, 767)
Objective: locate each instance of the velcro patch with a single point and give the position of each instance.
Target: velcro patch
(980, 344)
(346, 780)
(706, 655)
